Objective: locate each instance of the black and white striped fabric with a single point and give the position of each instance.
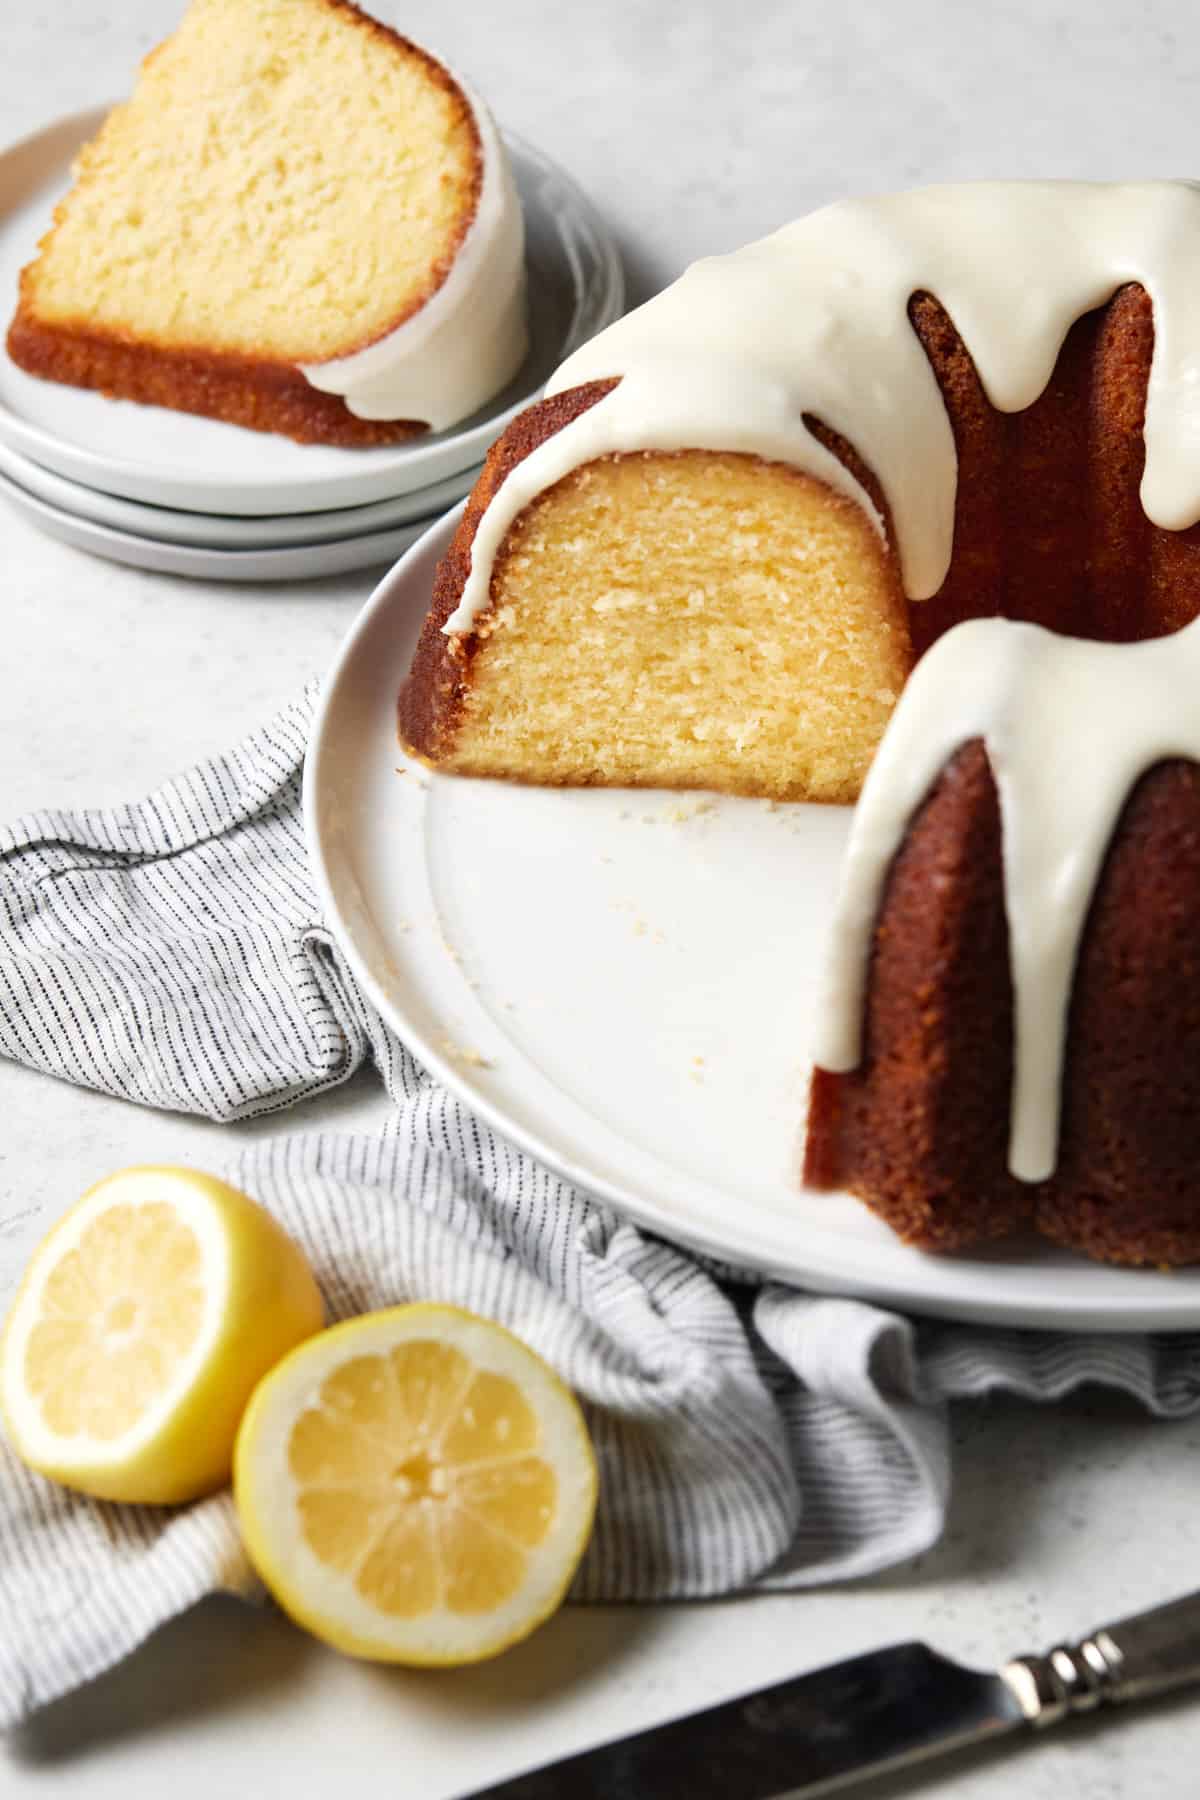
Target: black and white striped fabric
(172, 952)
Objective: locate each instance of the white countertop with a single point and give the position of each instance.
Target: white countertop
(694, 127)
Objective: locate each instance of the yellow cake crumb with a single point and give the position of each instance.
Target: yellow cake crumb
(282, 182)
(690, 620)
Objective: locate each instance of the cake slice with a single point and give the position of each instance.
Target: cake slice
(299, 222)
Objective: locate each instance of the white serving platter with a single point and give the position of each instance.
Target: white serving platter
(173, 459)
(622, 983)
(297, 562)
(223, 531)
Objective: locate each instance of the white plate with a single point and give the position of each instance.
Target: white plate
(220, 531)
(622, 983)
(199, 465)
(299, 562)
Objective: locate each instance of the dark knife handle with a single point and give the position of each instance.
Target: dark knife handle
(1147, 1654)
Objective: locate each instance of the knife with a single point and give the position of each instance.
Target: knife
(882, 1711)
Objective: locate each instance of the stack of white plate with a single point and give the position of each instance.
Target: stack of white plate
(189, 496)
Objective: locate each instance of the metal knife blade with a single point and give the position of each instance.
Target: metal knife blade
(803, 1737)
(885, 1710)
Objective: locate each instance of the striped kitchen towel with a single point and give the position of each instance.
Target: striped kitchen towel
(172, 952)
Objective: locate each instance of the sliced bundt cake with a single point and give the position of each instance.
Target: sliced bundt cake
(713, 555)
(299, 222)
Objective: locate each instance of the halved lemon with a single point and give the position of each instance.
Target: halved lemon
(142, 1326)
(415, 1486)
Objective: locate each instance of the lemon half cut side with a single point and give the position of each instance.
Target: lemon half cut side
(143, 1323)
(415, 1486)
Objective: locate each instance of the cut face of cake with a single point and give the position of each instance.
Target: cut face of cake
(299, 222)
(1011, 1030)
(634, 593)
(713, 555)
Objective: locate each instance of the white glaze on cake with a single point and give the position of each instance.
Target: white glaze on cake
(470, 337)
(814, 320)
(1069, 727)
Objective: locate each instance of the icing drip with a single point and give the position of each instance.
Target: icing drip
(1045, 707)
(813, 321)
(470, 336)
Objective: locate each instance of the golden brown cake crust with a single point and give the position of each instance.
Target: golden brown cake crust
(258, 391)
(265, 396)
(1049, 527)
(923, 1121)
(431, 697)
(919, 1130)
(1125, 1188)
(1048, 523)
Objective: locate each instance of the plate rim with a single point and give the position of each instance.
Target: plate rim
(329, 526)
(141, 481)
(108, 541)
(923, 1289)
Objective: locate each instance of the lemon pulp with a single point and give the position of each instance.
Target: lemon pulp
(415, 1486)
(120, 1313)
(420, 1475)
